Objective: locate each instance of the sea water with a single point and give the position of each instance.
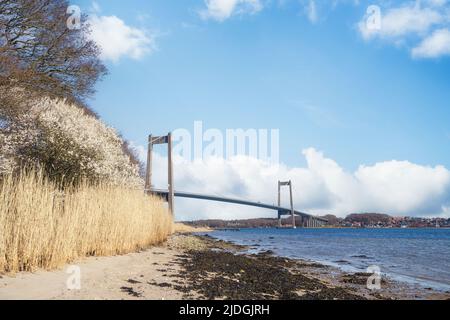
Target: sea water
(418, 256)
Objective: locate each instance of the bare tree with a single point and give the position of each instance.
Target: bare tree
(40, 54)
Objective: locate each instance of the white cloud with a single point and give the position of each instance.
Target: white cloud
(410, 22)
(317, 10)
(95, 7)
(436, 45)
(141, 151)
(221, 10)
(445, 212)
(405, 20)
(405, 187)
(117, 40)
(322, 187)
(311, 11)
(437, 3)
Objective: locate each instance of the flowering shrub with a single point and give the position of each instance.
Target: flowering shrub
(67, 142)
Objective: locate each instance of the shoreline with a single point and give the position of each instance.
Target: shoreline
(338, 284)
(189, 267)
(350, 264)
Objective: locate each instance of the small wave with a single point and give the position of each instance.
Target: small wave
(362, 256)
(342, 262)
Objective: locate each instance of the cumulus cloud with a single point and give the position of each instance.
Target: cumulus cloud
(322, 187)
(116, 39)
(401, 21)
(435, 45)
(221, 10)
(409, 22)
(403, 187)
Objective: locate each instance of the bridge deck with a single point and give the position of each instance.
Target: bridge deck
(284, 211)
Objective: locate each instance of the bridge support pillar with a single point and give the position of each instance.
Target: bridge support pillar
(171, 197)
(148, 177)
(281, 184)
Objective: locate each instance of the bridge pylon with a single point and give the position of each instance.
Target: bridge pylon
(153, 140)
(286, 184)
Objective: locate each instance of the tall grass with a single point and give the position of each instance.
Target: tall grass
(42, 228)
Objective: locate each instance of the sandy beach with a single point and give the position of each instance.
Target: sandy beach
(192, 267)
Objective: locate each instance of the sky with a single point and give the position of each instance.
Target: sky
(359, 91)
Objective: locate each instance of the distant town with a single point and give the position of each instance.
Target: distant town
(356, 220)
(375, 220)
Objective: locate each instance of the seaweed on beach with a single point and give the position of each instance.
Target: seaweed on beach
(225, 275)
(161, 285)
(131, 292)
(132, 281)
(359, 278)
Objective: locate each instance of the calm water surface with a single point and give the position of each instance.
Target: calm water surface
(419, 256)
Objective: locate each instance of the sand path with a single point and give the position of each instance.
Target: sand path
(101, 278)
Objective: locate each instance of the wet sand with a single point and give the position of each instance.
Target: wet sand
(192, 267)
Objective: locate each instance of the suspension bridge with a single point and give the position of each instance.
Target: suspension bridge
(306, 220)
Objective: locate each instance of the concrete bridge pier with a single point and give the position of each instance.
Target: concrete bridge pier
(292, 212)
(170, 195)
(311, 222)
(315, 223)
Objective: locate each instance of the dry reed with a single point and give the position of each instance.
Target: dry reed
(42, 228)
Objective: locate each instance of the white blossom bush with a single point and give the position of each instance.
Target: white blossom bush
(68, 143)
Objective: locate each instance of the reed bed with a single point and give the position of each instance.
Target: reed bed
(41, 227)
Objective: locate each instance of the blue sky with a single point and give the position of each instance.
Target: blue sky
(305, 67)
(320, 83)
